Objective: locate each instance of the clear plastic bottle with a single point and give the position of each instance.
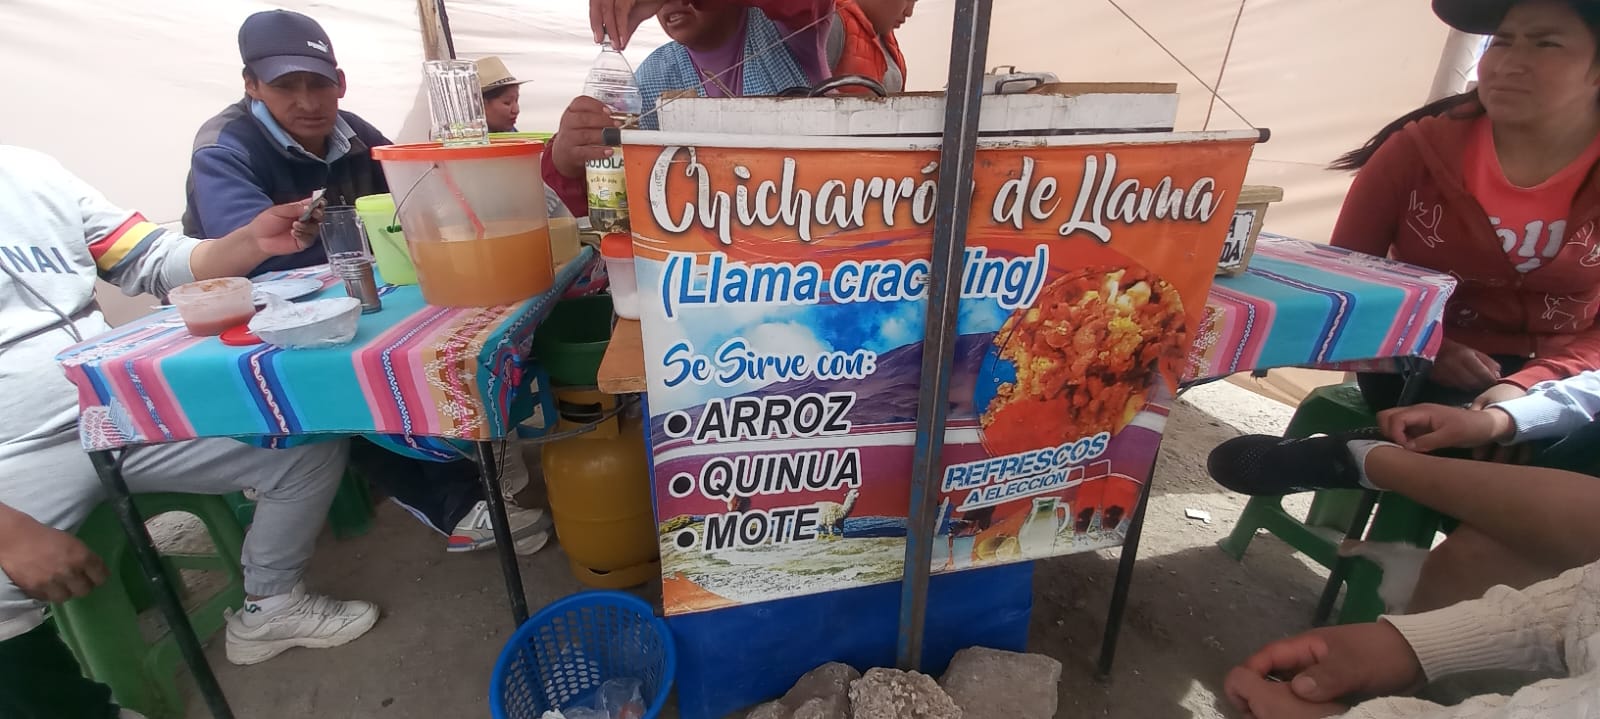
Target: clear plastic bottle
(611, 81)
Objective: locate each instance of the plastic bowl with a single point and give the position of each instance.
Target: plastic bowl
(309, 325)
(210, 306)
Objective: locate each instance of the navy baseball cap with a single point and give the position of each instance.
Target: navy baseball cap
(275, 43)
(1483, 17)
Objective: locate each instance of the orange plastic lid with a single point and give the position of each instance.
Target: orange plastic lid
(617, 245)
(437, 152)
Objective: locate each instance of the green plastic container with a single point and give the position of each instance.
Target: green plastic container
(388, 242)
(540, 136)
(572, 340)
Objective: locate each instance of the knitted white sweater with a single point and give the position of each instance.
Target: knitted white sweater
(1550, 626)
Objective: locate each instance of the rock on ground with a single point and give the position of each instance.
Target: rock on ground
(994, 684)
(770, 710)
(894, 694)
(823, 693)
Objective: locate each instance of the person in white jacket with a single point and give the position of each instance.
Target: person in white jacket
(1519, 524)
(1552, 627)
(60, 236)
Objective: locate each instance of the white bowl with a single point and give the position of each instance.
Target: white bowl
(308, 325)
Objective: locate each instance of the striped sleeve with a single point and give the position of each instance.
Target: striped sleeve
(124, 245)
(128, 250)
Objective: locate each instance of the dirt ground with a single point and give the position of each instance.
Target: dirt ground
(1194, 612)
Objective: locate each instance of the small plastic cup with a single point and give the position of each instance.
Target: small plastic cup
(210, 306)
(617, 249)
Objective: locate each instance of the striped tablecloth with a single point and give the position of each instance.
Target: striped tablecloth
(416, 374)
(1307, 305)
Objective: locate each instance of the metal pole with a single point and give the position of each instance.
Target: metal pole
(504, 545)
(110, 471)
(444, 27)
(969, 45)
(1124, 581)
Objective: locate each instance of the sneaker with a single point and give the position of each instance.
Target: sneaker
(476, 531)
(307, 620)
(1267, 466)
(532, 543)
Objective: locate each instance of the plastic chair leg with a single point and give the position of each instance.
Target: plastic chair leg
(1268, 513)
(109, 637)
(1397, 519)
(1334, 509)
(351, 512)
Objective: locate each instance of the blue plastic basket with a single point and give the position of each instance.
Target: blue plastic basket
(561, 656)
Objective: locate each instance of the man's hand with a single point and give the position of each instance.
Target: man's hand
(1328, 663)
(276, 231)
(1261, 698)
(45, 563)
(279, 231)
(1461, 367)
(619, 18)
(579, 139)
(1428, 427)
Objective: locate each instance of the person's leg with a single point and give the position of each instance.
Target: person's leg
(1531, 511)
(294, 488)
(447, 496)
(1577, 452)
(51, 480)
(1469, 563)
(1382, 391)
(440, 494)
(40, 679)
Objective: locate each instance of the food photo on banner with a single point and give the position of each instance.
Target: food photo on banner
(784, 298)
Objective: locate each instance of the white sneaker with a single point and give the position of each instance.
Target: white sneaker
(532, 543)
(307, 620)
(476, 531)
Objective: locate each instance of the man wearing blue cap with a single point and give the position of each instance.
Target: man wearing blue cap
(284, 140)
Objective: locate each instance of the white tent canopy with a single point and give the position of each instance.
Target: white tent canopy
(116, 90)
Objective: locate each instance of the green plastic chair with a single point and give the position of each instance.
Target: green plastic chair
(350, 515)
(103, 629)
(1326, 410)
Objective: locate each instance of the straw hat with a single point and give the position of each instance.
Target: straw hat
(492, 73)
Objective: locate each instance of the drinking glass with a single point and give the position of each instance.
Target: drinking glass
(344, 238)
(455, 102)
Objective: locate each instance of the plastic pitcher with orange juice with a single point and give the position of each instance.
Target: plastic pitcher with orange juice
(474, 218)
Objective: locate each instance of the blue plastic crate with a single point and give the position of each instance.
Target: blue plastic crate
(561, 656)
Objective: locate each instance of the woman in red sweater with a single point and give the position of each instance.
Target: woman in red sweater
(1497, 187)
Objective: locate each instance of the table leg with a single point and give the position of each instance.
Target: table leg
(1119, 591)
(1415, 372)
(109, 467)
(489, 471)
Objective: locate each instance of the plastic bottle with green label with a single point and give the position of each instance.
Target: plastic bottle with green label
(611, 81)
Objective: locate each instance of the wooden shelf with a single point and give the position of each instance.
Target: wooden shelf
(622, 369)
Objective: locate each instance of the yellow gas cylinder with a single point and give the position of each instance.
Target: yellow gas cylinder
(600, 500)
